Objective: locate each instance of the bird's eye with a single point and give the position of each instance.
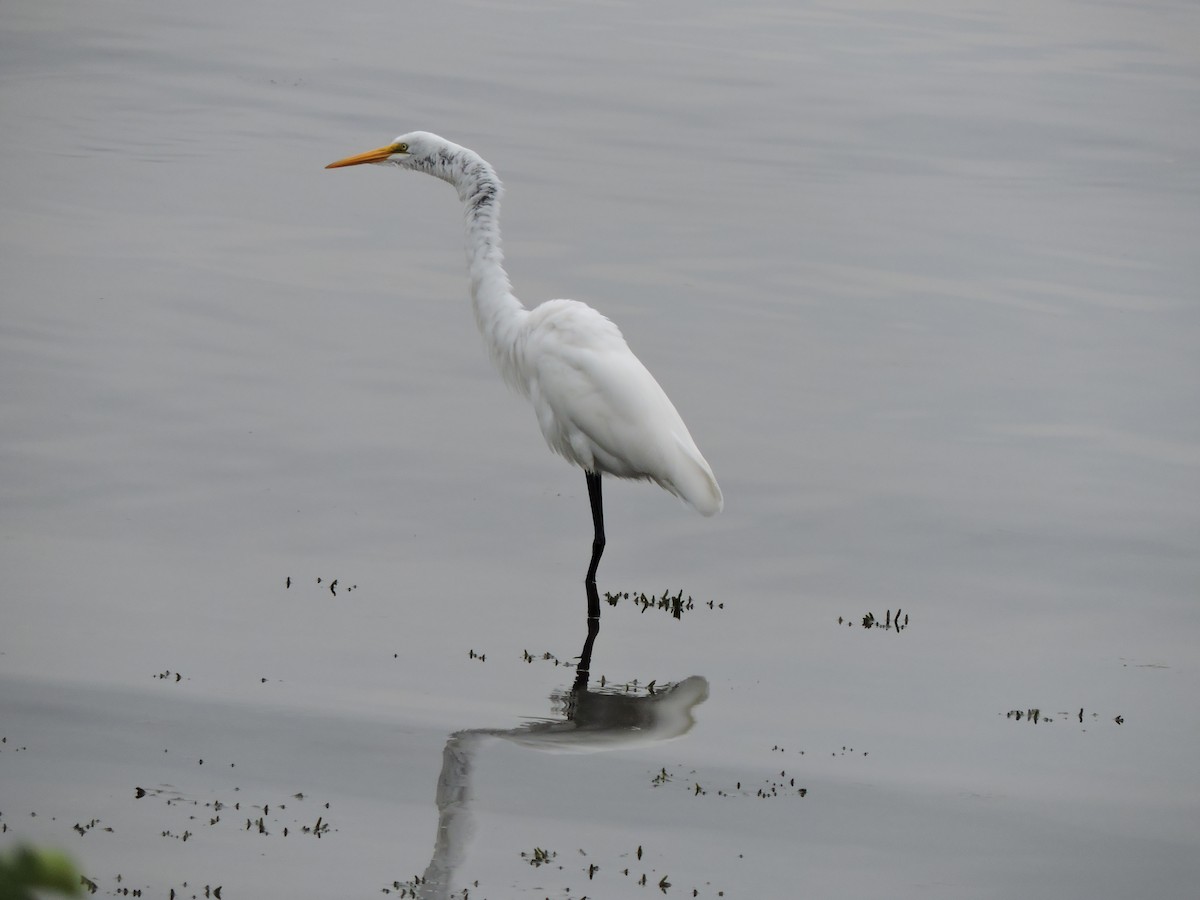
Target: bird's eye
(401, 148)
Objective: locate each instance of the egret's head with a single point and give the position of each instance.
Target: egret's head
(409, 151)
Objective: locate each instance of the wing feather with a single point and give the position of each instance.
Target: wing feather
(599, 407)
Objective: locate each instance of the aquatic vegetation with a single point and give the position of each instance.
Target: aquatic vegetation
(1035, 716)
(539, 857)
(888, 623)
(675, 604)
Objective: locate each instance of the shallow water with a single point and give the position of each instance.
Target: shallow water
(920, 277)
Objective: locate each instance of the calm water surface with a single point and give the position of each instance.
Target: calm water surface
(921, 278)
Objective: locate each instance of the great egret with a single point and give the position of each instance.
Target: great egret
(596, 403)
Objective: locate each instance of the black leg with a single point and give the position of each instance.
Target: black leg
(585, 658)
(593, 483)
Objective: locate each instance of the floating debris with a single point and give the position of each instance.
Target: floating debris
(1033, 715)
(408, 888)
(539, 857)
(319, 829)
(547, 656)
(265, 824)
(1036, 716)
(675, 604)
(769, 788)
(84, 829)
(889, 622)
(334, 586)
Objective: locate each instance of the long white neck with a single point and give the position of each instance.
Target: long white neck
(498, 313)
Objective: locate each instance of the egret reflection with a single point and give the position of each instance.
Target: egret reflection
(591, 722)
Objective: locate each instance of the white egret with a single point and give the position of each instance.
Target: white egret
(596, 403)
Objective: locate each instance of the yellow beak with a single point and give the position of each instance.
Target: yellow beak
(371, 156)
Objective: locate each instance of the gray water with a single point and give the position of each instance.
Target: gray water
(921, 278)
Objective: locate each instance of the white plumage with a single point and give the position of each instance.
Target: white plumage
(596, 404)
(599, 407)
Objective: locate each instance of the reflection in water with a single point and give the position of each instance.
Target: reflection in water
(593, 722)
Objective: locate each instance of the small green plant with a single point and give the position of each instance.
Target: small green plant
(27, 873)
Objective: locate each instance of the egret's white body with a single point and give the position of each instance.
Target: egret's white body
(599, 407)
(596, 404)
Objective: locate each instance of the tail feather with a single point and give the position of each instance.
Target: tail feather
(693, 480)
